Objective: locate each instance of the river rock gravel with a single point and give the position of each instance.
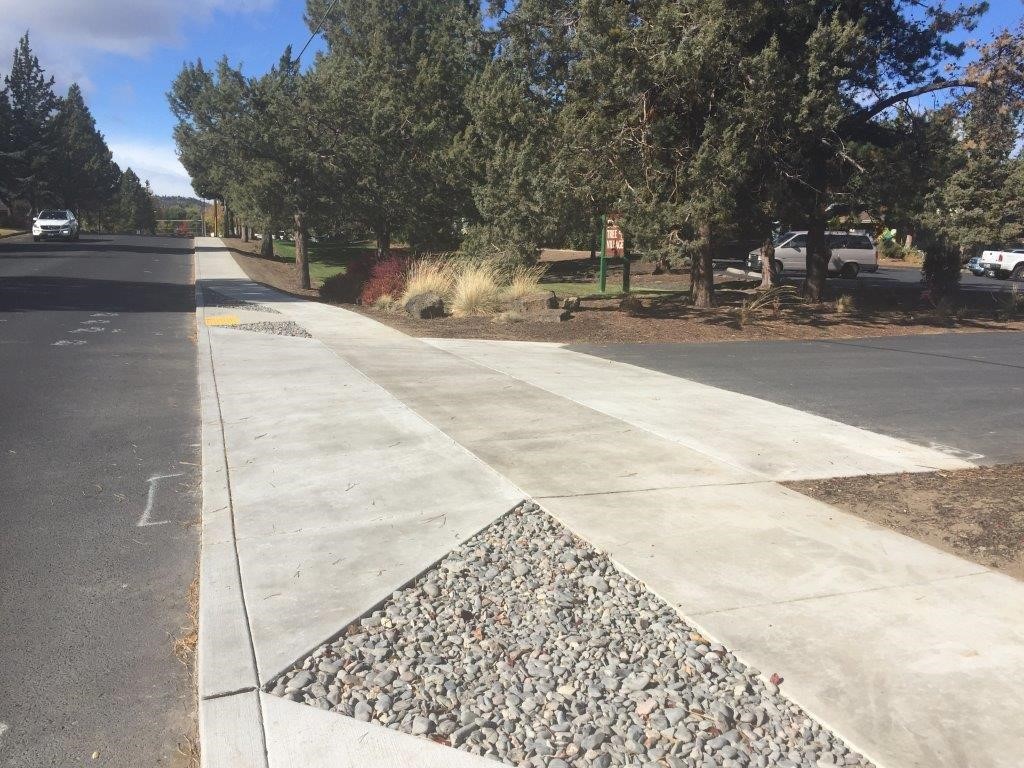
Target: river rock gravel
(278, 328)
(528, 646)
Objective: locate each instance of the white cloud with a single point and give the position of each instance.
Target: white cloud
(66, 34)
(154, 161)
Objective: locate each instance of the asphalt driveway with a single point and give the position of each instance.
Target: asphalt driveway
(963, 392)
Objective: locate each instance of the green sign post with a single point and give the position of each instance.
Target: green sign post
(603, 269)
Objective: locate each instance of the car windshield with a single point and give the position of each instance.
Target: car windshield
(53, 214)
(780, 239)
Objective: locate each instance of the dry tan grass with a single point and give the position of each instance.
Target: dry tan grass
(430, 275)
(185, 651)
(523, 280)
(476, 290)
(387, 303)
(509, 316)
(846, 304)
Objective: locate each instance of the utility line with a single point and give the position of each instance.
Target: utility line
(319, 26)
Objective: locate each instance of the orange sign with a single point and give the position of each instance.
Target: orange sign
(614, 240)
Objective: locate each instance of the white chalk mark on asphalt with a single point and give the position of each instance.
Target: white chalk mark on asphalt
(104, 314)
(68, 342)
(146, 519)
(88, 329)
(4, 727)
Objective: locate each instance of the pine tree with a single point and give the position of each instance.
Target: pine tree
(83, 174)
(394, 81)
(32, 106)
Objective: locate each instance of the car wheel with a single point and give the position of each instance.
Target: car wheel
(850, 270)
(1018, 272)
(35, 239)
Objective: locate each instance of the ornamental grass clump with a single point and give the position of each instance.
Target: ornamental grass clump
(429, 275)
(476, 290)
(523, 280)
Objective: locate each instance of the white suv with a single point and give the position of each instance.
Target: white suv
(56, 223)
(852, 252)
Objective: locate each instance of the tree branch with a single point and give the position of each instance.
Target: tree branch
(883, 104)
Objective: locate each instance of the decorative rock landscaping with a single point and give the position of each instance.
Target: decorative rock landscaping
(279, 328)
(528, 646)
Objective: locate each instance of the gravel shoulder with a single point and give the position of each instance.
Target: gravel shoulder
(977, 514)
(528, 646)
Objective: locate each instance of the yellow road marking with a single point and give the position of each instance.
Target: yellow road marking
(222, 320)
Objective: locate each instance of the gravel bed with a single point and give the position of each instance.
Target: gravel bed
(214, 298)
(277, 328)
(528, 646)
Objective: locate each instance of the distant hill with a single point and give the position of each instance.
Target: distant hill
(166, 201)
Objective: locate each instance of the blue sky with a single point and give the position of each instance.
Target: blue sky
(124, 54)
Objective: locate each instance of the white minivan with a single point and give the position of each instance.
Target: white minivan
(852, 253)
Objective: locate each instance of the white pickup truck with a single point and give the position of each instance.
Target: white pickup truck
(1004, 264)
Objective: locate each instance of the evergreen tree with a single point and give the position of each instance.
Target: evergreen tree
(7, 155)
(393, 80)
(32, 106)
(136, 212)
(83, 174)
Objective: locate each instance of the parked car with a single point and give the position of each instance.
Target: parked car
(1003, 264)
(852, 253)
(974, 266)
(57, 223)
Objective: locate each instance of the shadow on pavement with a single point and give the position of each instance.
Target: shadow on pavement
(29, 294)
(21, 248)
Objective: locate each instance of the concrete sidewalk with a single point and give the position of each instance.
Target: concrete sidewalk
(344, 450)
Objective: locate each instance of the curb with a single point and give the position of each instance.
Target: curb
(230, 715)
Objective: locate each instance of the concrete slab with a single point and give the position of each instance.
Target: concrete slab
(340, 492)
(299, 736)
(919, 676)
(718, 548)
(231, 732)
(774, 441)
(859, 620)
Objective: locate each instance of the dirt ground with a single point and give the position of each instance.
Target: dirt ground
(276, 274)
(977, 514)
(668, 316)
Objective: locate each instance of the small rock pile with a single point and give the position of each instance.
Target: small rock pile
(214, 298)
(279, 328)
(528, 646)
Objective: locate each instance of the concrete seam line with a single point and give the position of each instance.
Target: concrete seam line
(206, 345)
(265, 687)
(982, 571)
(700, 628)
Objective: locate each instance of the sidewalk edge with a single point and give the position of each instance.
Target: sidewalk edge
(230, 715)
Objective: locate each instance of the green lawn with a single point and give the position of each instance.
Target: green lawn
(325, 259)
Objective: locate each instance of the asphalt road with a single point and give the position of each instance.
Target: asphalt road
(99, 496)
(960, 392)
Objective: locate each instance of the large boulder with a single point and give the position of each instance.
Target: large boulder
(425, 306)
(537, 303)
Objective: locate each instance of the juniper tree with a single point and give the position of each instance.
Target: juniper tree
(393, 82)
(30, 133)
(83, 174)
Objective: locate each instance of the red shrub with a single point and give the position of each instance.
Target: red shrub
(387, 277)
(348, 285)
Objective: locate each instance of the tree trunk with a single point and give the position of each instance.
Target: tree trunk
(702, 276)
(817, 256)
(301, 260)
(769, 275)
(383, 234)
(245, 233)
(216, 219)
(595, 237)
(267, 243)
